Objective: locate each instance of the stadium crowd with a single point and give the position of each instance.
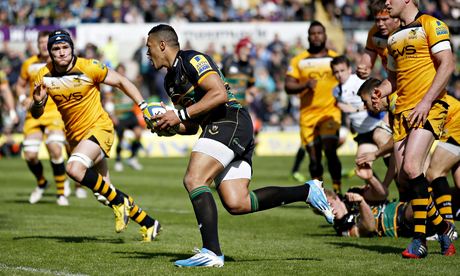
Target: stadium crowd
(72, 12)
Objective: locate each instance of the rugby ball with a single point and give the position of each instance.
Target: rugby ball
(154, 109)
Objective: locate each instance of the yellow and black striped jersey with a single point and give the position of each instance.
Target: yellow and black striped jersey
(303, 67)
(77, 94)
(411, 49)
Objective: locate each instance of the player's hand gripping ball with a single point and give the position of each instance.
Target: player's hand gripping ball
(152, 110)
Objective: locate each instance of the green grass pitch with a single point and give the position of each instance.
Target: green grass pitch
(45, 239)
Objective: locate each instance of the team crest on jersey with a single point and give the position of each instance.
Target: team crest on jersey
(96, 62)
(201, 64)
(413, 34)
(214, 130)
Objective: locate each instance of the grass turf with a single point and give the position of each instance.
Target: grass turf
(45, 239)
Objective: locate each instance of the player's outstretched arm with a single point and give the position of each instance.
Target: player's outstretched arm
(114, 79)
(39, 100)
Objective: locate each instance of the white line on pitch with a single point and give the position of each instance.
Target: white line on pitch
(38, 270)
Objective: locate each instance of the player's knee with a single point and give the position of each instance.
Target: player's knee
(411, 170)
(77, 165)
(192, 181)
(236, 206)
(75, 170)
(31, 157)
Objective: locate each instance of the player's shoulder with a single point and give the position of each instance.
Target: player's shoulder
(46, 70)
(29, 61)
(426, 18)
(332, 53)
(302, 55)
(90, 63)
(192, 55)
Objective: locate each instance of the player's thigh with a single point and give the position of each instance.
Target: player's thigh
(419, 142)
(201, 170)
(381, 136)
(444, 157)
(365, 148)
(90, 149)
(55, 140)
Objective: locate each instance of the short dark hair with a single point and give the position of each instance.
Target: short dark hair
(166, 33)
(316, 23)
(377, 6)
(43, 34)
(368, 86)
(339, 60)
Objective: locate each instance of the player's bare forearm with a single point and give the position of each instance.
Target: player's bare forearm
(216, 95)
(366, 224)
(376, 191)
(293, 86)
(121, 82)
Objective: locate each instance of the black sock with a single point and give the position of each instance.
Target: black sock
(298, 159)
(135, 146)
(443, 198)
(420, 202)
(59, 176)
(95, 182)
(270, 197)
(206, 216)
(37, 171)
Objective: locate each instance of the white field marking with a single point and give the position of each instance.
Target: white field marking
(38, 270)
(177, 211)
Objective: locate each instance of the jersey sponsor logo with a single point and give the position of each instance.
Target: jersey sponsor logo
(441, 29)
(406, 50)
(319, 75)
(201, 64)
(60, 98)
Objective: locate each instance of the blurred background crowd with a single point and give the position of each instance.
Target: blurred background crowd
(73, 12)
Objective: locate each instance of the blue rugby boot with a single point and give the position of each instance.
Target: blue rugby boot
(415, 250)
(203, 258)
(317, 199)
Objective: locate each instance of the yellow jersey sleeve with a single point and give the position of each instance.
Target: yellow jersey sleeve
(293, 69)
(95, 70)
(437, 33)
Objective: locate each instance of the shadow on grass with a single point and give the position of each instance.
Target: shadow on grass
(73, 239)
(382, 249)
(180, 256)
